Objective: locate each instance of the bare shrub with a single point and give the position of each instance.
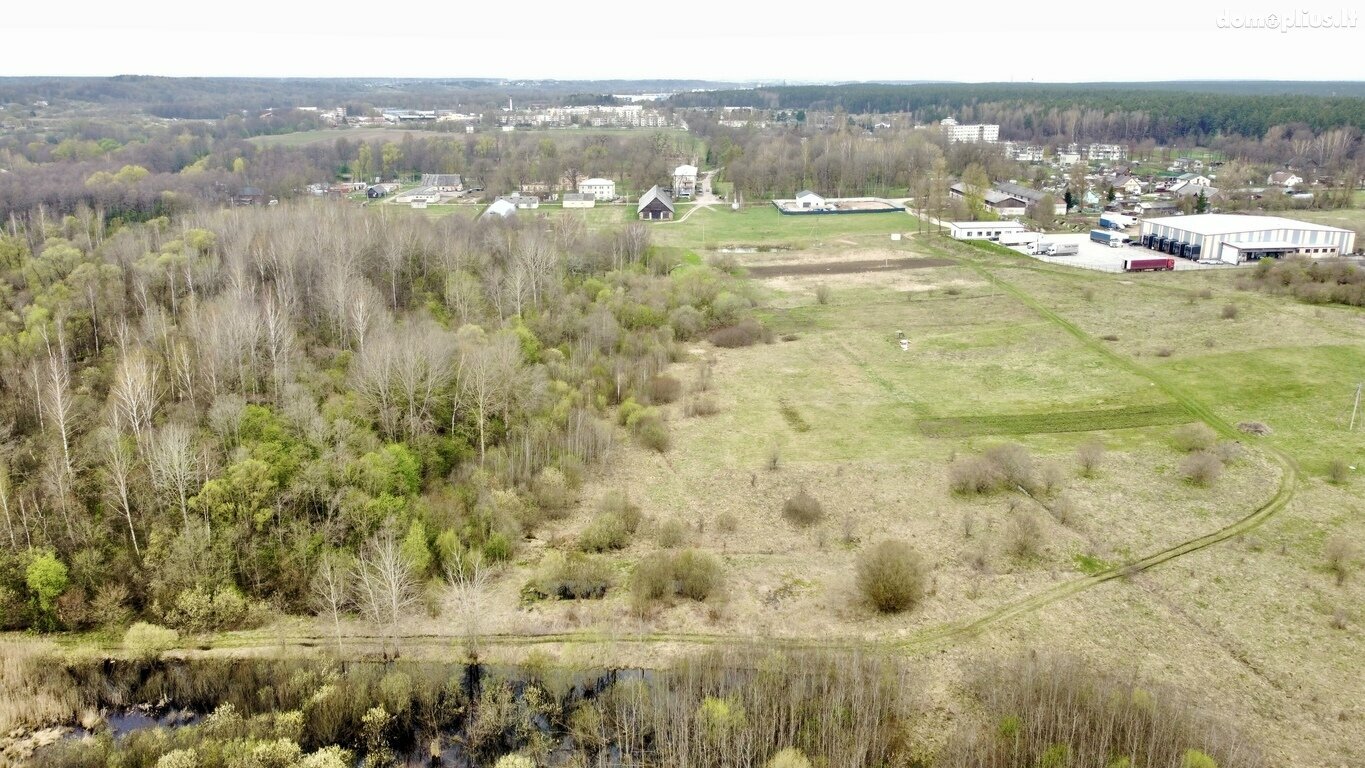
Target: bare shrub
(822, 293)
(1023, 536)
(617, 502)
(891, 576)
(1228, 451)
(664, 389)
(671, 534)
(1201, 468)
(1253, 428)
(1064, 510)
(701, 405)
(1194, 437)
(1339, 618)
(1338, 472)
(1014, 463)
(742, 334)
(1206, 293)
(1110, 337)
(1340, 555)
(727, 522)
(774, 457)
(1230, 312)
(974, 475)
(803, 509)
(1051, 478)
(1090, 456)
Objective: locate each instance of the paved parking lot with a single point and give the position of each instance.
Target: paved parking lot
(1104, 258)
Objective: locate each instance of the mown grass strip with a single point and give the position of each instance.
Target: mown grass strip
(1057, 421)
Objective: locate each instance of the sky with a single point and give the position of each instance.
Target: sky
(738, 40)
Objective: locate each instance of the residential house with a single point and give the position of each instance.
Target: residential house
(655, 205)
(685, 181)
(250, 196)
(1284, 179)
(808, 200)
(602, 190)
(579, 200)
(1128, 185)
(1191, 179)
(1031, 196)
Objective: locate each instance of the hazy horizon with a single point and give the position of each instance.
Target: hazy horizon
(705, 40)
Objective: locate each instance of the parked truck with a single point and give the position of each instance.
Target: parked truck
(1059, 249)
(1116, 221)
(1149, 264)
(1104, 236)
(1014, 239)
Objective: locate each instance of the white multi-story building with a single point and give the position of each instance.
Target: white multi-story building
(971, 134)
(684, 181)
(1107, 152)
(601, 189)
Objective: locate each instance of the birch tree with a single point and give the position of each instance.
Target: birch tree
(386, 589)
(331, 588)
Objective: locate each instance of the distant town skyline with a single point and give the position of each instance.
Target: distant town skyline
(704, 39)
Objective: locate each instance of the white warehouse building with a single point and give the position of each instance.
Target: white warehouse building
(983, 230)
(1235, 239)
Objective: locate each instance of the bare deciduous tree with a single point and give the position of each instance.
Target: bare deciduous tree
(330, 590)
(386, 588)
(134, 392)
(119, 464)
(170, 460)
(469, 576)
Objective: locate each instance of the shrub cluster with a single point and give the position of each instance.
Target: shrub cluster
(742, 334)
(687, 573)
(999, 467)
(574, 576)
(803, 509)
(891, 576)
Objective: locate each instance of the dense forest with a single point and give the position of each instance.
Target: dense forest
(211, 98)
(196, 409)
(1028, 111)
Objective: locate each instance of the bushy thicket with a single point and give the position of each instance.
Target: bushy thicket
(1040, 710)
(733, 708)
(199, 407)
(1317, 281)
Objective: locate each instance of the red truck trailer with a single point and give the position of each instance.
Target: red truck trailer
(1148, 265)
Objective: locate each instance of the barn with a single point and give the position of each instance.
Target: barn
(655, 205)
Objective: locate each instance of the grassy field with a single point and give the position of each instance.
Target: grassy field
(870, 431)
(1346, 218)
(762, 226)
